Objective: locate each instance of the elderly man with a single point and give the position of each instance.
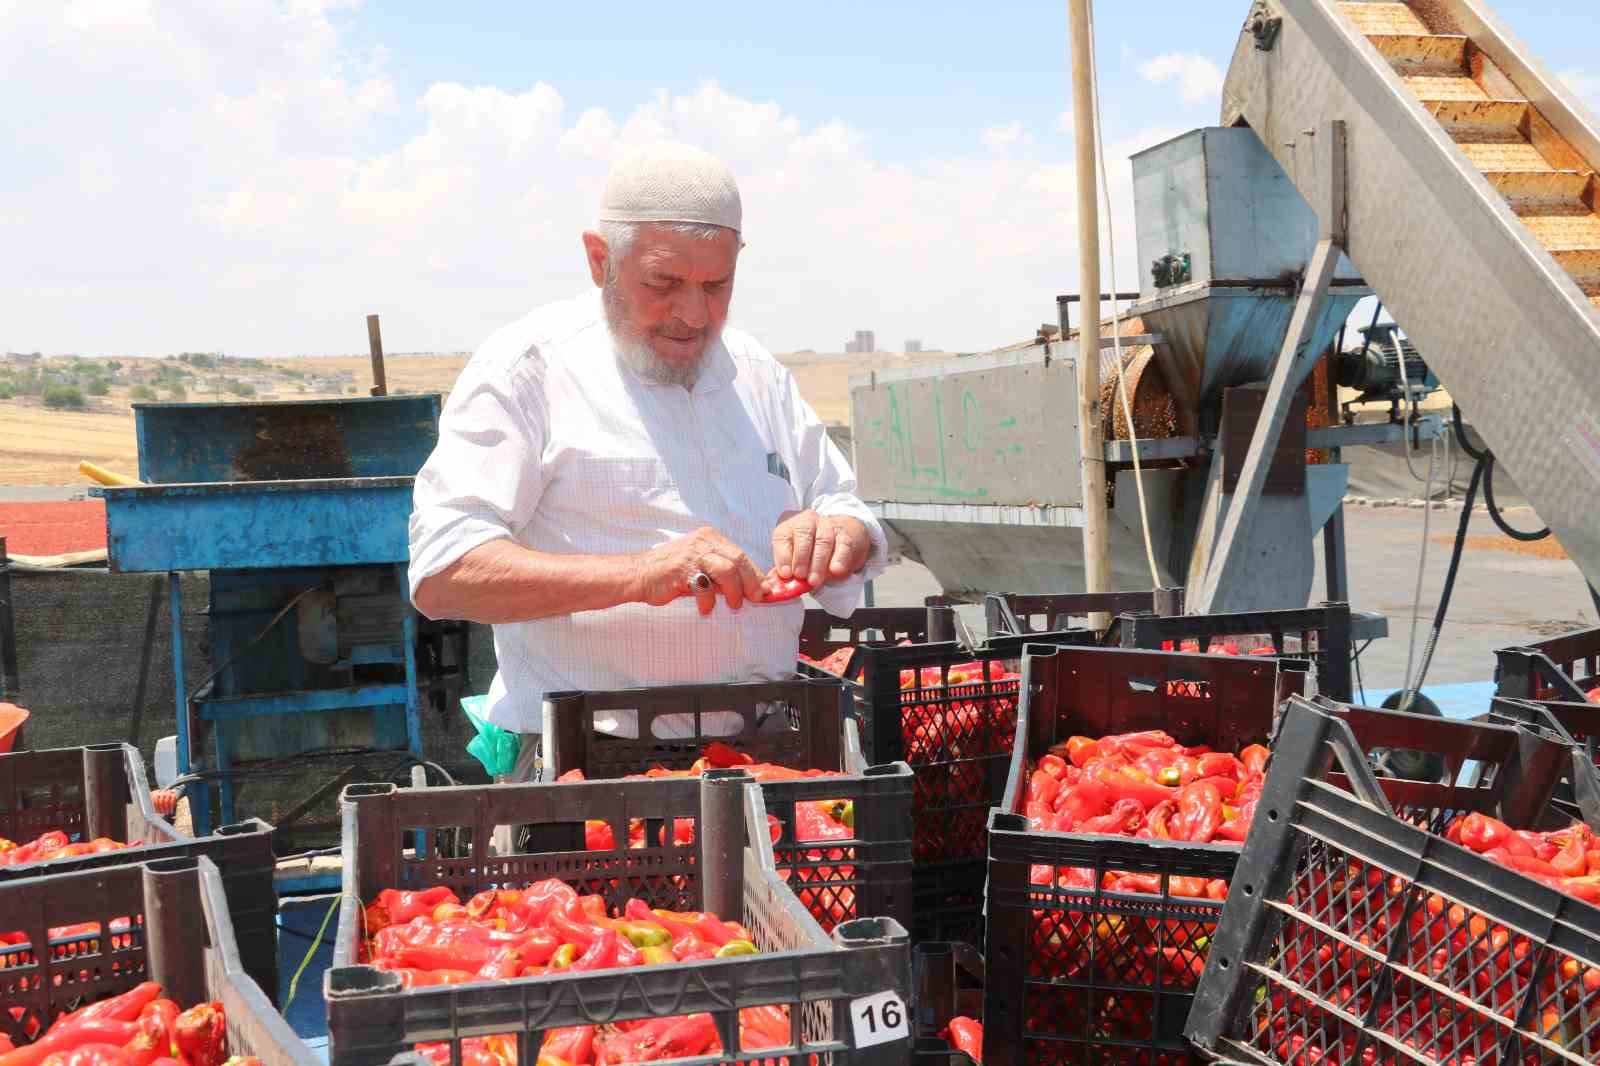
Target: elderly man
(620, 480)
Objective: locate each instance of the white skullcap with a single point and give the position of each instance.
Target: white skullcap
(671, 183)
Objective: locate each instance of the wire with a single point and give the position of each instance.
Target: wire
(213, 675)
(1497, 517)
(294, 982)
(1486, 458)
(1422, 568)
(1116, 315)
(1478, 471)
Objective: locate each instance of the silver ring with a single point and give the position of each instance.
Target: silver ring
(700, 582)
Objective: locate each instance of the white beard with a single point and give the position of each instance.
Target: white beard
(635, 352)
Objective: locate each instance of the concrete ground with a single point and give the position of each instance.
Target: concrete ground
(1501, 598)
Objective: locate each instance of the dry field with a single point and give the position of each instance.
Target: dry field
(42, 447)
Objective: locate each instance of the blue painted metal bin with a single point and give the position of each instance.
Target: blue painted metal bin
(299, 511)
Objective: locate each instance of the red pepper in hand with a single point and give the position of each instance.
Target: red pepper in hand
(783, 591)
(201, 1034)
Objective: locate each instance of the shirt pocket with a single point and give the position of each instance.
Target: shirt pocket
(762, 503)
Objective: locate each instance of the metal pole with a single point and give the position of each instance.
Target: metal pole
(1091, 439)
(380, 386)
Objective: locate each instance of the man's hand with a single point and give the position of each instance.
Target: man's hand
(819, 548)
(666, 570)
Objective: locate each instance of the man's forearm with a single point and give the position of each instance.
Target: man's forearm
(502, 582)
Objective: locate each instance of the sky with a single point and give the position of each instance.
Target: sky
(255, 176)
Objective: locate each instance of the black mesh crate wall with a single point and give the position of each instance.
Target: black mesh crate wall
(1356, 933)
(1073, 971)
(101, 790)
(1321, 633)
(800, 724)
(950, 712)
(78, 937)
(417, 838)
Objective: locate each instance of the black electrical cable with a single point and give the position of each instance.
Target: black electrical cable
(1485, 459)
(1494, 511)
(1479, 470)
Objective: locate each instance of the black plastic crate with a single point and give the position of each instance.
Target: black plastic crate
(947, 982)
(166, 920)
(417, 838)
(950, 712)
(1563, 668)
(1321, 633)
(822, 634)
(101, 790)
(1119, 969)
(1354, 934)
(1575, 725)
(1016, 614)
(800, 724)
(1074, 971)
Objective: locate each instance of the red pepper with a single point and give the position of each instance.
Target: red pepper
(400, 907)
(1569, 861)
(813, 823)
(1236, 829)
(665, 1038)
(574, 1044)
(201, 1034)
(90, 1055)
(966, 1034)
(1482, 833)
(410, 977)
(92, 1031)
(1081, 749)
(1220, 764)
(784, 591)
(155, 1036)
(1149, 884)
(1087, 799)
(1043, 787)
(503, 964)
(1126, 815)
(763, 1028)
(1199, 812)
(1127, 783)
(601, 953)
(125, 1007)
(1254, 758)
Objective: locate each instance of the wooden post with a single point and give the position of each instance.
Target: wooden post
(375, 341)
(1091, 438)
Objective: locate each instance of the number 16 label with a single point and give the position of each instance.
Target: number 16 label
(878, 1019)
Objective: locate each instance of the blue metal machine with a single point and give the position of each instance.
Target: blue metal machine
(299, 511)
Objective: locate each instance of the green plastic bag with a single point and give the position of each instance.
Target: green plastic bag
(494, 747)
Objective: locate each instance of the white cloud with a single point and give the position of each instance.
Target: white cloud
(1199, 79)
(183, 180)
(1011, 135)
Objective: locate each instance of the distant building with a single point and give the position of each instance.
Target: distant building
(865, 342)
(913, 346)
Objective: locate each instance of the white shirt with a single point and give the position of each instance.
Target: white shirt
(549, 440)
